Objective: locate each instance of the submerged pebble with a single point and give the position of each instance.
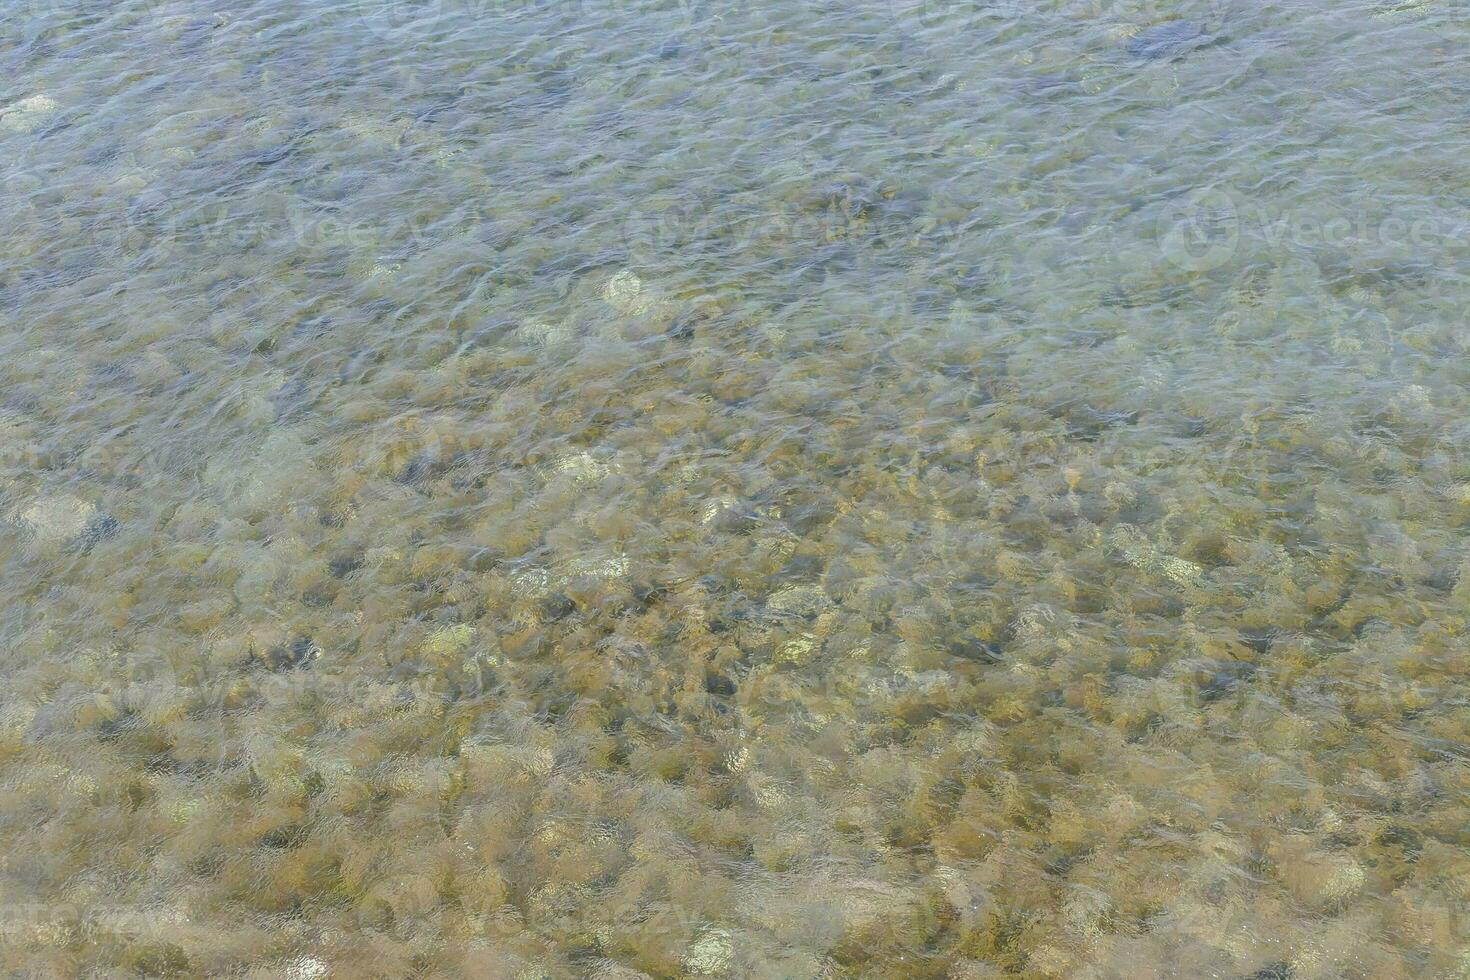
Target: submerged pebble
(798, 600)
(626, 293)
(28, 114)
(52, 521)
(711, 954)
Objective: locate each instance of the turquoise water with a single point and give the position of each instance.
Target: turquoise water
(625, 489)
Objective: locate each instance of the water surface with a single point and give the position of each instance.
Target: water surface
(681, 488)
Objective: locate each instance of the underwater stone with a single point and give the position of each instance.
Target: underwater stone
(625, 293)
(606, 567)
(1220, 679)
(798, 600)
(101, 526)
(797, 650)
(974, 648)
(580, 468)
(719, 685)
(1258, 639)
(710, 954)
(1317, 878)
(306, 968)
(449, 641)
(27, 115)
(557, 605)
(1142, 554)
(300, 652)
(539, 333)
(53, 521)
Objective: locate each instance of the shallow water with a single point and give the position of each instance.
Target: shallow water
(683, 488)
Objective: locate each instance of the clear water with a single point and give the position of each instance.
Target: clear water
(691, 488)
